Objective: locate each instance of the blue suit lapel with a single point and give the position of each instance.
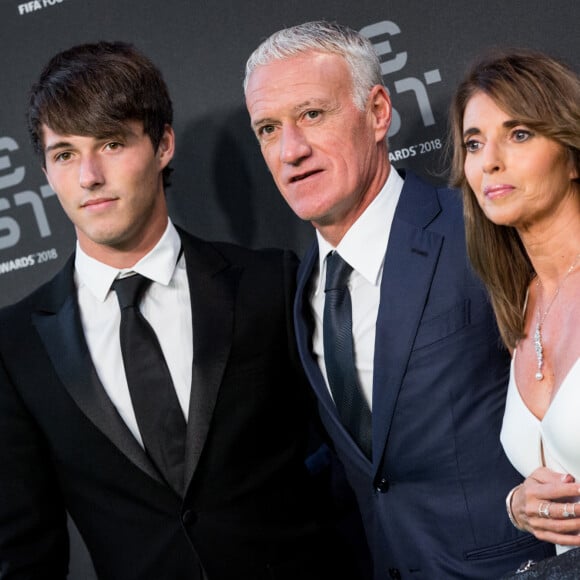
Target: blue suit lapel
(409, 267)
(304, 326)
(59, 327)
(410, 264)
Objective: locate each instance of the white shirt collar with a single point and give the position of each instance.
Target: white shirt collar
(158, 265)
(364, 244)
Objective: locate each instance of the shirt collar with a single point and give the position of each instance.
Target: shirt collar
(373, 225)
(158, 265)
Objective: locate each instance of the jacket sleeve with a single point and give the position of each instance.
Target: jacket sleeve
(33, 533)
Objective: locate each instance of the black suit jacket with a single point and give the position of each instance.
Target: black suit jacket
(249, 511)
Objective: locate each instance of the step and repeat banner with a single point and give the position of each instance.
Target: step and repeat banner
(220, 186)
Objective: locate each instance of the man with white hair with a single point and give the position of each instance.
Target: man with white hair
(395, 332)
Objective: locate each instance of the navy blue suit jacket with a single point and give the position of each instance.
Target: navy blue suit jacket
(432, 499)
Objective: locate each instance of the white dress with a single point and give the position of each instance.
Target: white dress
(524, 436)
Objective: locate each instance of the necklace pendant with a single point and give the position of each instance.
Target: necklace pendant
(539, 348)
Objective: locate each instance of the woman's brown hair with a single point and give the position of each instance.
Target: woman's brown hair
(543, 94)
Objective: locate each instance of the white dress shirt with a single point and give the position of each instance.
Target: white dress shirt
(363, 247)
(166, 306)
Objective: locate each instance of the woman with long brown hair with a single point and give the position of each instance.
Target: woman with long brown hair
(515, 122)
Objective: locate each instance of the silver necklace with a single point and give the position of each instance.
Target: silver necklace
(538, 346)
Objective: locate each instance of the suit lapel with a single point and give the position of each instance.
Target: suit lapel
(410, 263)
(212, 286)
(59, 327)
(304, 325)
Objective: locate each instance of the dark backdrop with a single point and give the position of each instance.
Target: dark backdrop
(221, 188)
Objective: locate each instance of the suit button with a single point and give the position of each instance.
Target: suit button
(382, 485)
(394, 573)
(188, 517)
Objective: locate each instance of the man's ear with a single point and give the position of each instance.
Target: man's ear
(166, 148)
(381, 110)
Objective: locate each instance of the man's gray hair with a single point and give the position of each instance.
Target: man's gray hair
(324, 37)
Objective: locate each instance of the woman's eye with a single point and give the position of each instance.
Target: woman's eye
(520, 135)
(472, 145)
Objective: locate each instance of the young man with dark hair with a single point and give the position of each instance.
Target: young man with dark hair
(171, 424)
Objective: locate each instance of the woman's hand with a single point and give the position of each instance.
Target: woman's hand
(545, 505)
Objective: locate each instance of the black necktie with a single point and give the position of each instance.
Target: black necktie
(159, 416)
(339, 354)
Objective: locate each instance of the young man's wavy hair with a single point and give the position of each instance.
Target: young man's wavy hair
(94, 90)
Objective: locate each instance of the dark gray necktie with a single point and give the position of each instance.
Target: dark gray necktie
(339, 354)
(159, 416)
